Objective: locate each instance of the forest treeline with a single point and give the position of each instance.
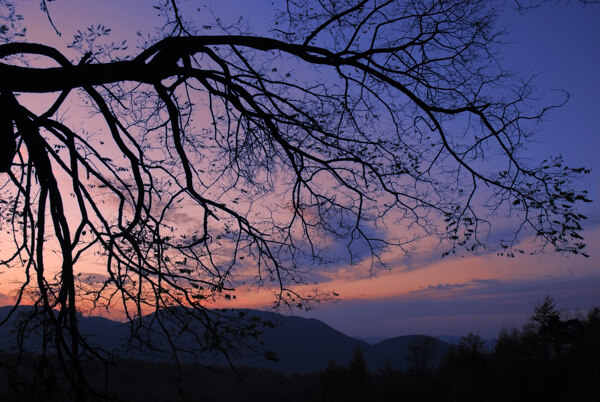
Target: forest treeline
(550, 358)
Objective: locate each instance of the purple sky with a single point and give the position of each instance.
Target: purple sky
(561, 44)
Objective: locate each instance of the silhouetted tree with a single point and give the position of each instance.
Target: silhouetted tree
(209, 154)
(359, 386)
(333, 383)
(465, 369)
(350, 383)
(388, 382)
(423, 354)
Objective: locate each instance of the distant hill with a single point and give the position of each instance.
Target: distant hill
(371, 340)
(300, 345)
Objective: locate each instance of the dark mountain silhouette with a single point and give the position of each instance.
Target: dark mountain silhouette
(397, 350)
(299, 344)
(107, 335)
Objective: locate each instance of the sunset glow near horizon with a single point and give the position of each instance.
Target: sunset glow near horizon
(424, 293)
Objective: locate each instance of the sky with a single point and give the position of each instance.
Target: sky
(560, 44)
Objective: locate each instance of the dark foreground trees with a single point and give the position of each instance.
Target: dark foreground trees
(556, 361)
(210, 162)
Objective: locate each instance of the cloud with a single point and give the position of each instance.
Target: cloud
(6, 300)
(93, 278)
(446, 286)
(579, 290)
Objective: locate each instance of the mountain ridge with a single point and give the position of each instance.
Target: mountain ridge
(294, 344)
